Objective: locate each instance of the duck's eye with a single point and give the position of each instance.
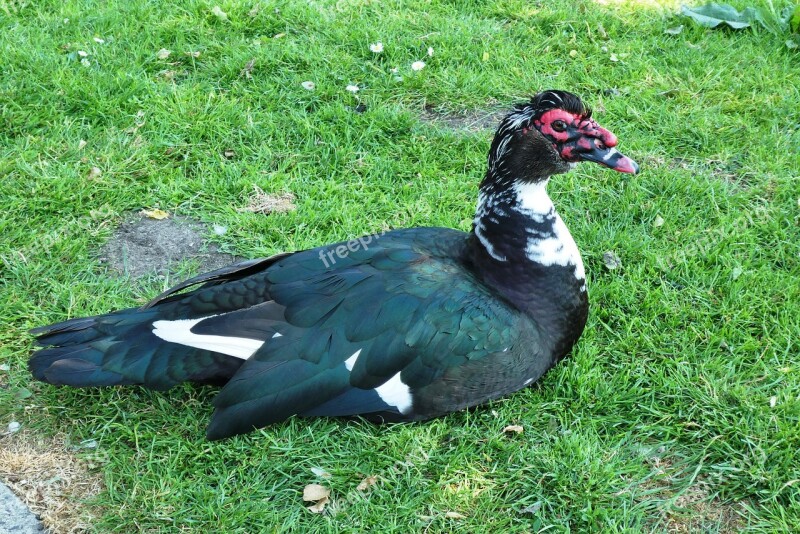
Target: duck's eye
(559, 126)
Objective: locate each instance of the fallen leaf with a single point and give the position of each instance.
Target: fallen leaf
(454, 515)
(611, 260)
(320, 472)
(99, 40)
(248, 69)
(773, 401)
(163, 53)
(217, 12)
(229, 153)
(315, 492)
(279, 35)
(712, 15)
(81, 144)
(659, 221)
(485, 56)
(319, 506)
(532, 509)
(155, 213)
(168, 75)
(736, 272)
(675, 30)
(366, 483)
(514, 428)
(613, 57)
(94, 173)
(254, 12)
(23, 393)
(573, 53)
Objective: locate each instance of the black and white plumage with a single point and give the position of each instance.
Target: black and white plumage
(406, 325)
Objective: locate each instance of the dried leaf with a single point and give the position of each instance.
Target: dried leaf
(675, 30)
(279, 35)
(217, 12)
(532, 509)
(254, 12)
(454, 515)
(315, 492)
(81, 144)
(485, 56)
(366, 483)
(94, 173)
(155, 213)
(319, 506)
(659, 221)
(248, 69)
(611, 260)
(514, 428)
(163, 53)
(320, 472)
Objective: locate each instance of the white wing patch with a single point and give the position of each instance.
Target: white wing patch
(180, 331)
(350, 362)
(395, 393)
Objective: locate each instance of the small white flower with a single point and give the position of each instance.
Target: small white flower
(395, 70)
(86, 63)
(83, 53)
(377, 48)
(98, 40)
(430, 51)
(352, 88)
(309, 86)
(418, 65)
(398, 78)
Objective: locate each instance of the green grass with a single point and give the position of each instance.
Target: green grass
(661, 417)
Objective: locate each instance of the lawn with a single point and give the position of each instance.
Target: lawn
(679, 408)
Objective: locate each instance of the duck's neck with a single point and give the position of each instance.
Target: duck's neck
(523, 249)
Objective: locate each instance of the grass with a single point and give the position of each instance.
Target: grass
(680, 406)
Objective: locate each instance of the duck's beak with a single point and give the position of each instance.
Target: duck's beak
(611, 158)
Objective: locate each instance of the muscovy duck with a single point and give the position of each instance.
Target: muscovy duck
(406, 325)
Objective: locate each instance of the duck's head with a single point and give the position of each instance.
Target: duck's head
(550, 135)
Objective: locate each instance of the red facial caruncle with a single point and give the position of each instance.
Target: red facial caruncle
(578, 137)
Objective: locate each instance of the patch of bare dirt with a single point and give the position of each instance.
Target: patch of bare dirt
(468, 121)
(50, 480)
(266, 203)
(694, 509)
(144, 245)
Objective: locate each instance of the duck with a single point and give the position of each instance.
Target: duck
(404, 325)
